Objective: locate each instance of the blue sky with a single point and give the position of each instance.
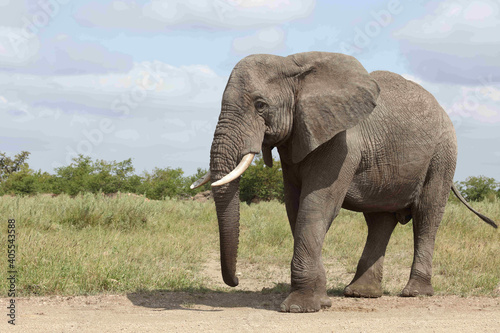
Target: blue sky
(144, 79)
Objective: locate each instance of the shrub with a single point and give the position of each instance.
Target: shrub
(20, 183)
(85, 175)
(163, 183)
(479, 188)
(262, 183)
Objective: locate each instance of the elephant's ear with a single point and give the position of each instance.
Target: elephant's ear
(334, 93)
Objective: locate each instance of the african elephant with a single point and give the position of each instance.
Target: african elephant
(369, 142)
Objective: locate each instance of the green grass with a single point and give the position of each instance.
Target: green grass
(92, 244)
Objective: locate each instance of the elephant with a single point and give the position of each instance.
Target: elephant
(374, 143)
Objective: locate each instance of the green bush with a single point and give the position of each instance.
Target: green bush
(261, 183)
(74, 178)
(479, 188)
(163, 183)
(27, 181)
(85, 175)
(20, 183)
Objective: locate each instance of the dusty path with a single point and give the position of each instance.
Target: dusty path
(249, 312)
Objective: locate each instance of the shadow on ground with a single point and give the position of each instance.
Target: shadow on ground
(267, 299)
(195, 300)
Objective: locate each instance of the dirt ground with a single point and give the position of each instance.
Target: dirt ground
(249, 309)
(249, 312)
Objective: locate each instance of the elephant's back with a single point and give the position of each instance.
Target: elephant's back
(407, 99)
(409, 110)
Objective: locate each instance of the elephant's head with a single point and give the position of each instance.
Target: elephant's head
(301, 101)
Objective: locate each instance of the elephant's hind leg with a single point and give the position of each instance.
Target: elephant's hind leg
(367, 281)
(427, 214)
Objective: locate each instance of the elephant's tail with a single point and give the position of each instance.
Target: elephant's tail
(481, 216)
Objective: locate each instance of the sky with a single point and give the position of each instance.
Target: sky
(144, 79)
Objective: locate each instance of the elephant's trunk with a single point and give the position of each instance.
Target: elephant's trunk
(227, 203)
(224, 157)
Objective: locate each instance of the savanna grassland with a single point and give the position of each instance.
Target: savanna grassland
(93, 244)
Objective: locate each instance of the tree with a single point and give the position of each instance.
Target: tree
(16, 177)
(479, 188)
(9, 166)
(74, 178)
(110, 177)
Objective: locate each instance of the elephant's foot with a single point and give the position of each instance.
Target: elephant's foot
(305, 301)
(360, 289)
(418, 286)
(369, 284)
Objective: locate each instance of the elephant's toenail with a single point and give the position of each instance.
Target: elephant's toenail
(295, 308)
(283, 308)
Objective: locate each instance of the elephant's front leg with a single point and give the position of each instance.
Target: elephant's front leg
(325, 180)
(308, 291)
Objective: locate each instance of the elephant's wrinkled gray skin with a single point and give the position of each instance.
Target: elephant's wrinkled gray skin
(374, 143)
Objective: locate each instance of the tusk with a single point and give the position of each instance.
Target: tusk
(203, 180)
(238, 171)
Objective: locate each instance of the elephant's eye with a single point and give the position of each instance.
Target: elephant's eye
(260, 106)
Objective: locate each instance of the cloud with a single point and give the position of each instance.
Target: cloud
(153, 84)
(457, 43)
(263, 41)
(128, 135)
(15, 49)
(25, 49)
(93, 114)
(11, 11)
(158, 15)
(23, 23)
(60, 55)
(65, 55)
(480, 103)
